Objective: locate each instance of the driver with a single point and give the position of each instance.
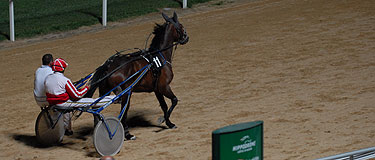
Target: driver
(61, 92)
(40, 76)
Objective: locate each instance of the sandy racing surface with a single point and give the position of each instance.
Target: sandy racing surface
(306, 68)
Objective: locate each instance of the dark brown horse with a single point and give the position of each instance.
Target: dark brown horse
(117, 68)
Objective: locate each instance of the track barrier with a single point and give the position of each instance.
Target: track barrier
(363, 154)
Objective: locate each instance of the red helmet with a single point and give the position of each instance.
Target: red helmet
(59, 65)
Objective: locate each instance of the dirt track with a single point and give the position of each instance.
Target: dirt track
(306, 68)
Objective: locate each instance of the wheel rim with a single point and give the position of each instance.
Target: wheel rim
(104, 145)
(45, 134)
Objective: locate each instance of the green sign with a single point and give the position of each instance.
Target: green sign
(240, 141)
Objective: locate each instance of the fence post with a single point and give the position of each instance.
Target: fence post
(184, 4)
(11, 20)
(104, 14)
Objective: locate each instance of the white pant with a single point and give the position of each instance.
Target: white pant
(84, 102)
(81, 103)
(41, 101)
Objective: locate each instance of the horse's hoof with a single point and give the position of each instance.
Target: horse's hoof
(171, 126)
(130, 137)
(161, 120)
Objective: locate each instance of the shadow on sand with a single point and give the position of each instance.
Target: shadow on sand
(140, 121)
(84, 132)
(30, 140)
(5, 35)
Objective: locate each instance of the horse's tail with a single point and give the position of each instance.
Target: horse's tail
(96, 80)
(102, 73)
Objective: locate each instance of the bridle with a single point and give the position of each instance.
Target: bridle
(182, 35)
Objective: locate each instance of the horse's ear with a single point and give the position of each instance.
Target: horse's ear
(166, 17)
(175, 18)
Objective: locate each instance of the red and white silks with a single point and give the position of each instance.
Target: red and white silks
(60, 91)
(59, 65)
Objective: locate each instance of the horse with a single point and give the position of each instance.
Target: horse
(120, 66)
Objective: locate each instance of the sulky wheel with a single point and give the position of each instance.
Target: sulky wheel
(46, 133)
(104, 144)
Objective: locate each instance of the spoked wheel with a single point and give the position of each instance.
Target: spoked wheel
(108, 142)
(49, 127)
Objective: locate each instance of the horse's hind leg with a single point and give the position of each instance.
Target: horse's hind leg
(164, 107)
(117, 91)
(125, 102)
(102, 91)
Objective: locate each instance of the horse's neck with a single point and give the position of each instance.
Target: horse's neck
(165, 45)
(168, 52)
(163, 41)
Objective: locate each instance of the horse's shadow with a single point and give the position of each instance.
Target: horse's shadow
(140, 121)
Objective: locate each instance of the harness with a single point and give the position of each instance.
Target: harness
(157, 62)
(156, 59)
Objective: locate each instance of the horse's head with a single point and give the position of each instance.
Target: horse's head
(177, 29)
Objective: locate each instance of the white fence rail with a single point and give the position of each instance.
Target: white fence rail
(104, 16)
(363, 154)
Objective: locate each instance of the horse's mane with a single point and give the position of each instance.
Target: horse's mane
(159, 31)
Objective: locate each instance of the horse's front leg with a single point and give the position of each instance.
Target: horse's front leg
(125, 102)
(164, 107)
